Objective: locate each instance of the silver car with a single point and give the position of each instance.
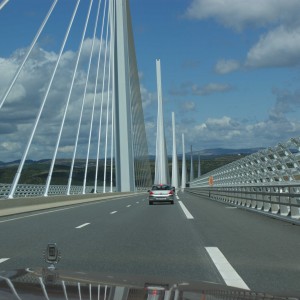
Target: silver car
(161, 193)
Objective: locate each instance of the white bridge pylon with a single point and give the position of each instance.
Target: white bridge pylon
(161, 159)
(175, 171)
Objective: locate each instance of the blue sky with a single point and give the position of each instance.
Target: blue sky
(230, 68)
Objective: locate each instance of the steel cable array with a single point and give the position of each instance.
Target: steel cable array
(103, 98)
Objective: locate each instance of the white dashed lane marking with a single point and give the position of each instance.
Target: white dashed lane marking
(82, 225)
(230, 276)
(185, 210)
(3, 260)
(113, 212)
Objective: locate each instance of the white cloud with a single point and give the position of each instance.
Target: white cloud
(19, 112)
(148, 98)
(229, 132)
(189, 88)
(221, 128)
(141, 75)
(238, 14)
(224, 122)
(219, 132)
(17, 115)
(226, 66)
(189, 106)
(278, 48)
(11, 146)
(210, 88)
(67, 149)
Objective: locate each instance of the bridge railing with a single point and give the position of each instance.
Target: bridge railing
(267, 181)
(31, 190)
(279, 199)
(280, 164)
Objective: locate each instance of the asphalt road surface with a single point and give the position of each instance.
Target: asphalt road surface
(194, 239)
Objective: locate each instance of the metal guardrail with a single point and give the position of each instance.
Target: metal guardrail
(33, 190)
(29, 190)
(280, 200)
(280, 164)
(267, 181)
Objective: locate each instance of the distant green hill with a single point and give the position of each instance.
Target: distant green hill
(36, 172)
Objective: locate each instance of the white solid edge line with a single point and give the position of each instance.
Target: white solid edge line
(113, 212)
(52, 210)
(186, 212)
(230, 276)
(3, 260)
(177, 197)
(37, 214)
(82, 225)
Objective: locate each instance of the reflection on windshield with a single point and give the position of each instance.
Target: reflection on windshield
(54, 284)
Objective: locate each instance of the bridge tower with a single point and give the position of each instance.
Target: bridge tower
(175, 175)
(192, 166)
(130, 136)
(124, 119)
(161, 161)
(199, 165)
(183, 176)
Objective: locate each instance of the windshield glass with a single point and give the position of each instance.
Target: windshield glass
(152, 138)
(161, 187)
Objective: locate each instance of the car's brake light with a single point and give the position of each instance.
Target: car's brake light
(171, 193)
(151, 193)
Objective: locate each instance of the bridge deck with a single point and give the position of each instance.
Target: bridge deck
(127, 236)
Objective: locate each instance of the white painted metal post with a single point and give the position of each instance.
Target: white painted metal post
(183, 176)
(199, 165)
(192, 166)
(174, 156)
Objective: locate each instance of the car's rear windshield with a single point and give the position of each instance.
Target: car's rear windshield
(161, 187)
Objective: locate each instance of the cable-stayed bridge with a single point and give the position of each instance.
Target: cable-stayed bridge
(88, 106)
(101, 99)
(96, 117)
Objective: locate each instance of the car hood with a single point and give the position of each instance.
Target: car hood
(44, 283)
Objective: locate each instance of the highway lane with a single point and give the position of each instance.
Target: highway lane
(127, 236)
(123, 236)
(264, 251)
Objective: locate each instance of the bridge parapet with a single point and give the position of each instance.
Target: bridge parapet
(280, 164)
(277, 200)
(35, 190)
(267, 181)
(29, 190)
